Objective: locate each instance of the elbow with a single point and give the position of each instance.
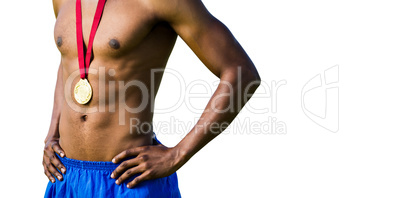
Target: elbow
(257, 78)
(246, 78)
(251, 80)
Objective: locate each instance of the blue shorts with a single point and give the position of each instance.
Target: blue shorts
(90, 179)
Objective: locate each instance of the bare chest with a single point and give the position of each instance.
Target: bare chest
(124, 24)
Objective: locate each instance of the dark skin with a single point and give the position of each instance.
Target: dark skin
(134, 37)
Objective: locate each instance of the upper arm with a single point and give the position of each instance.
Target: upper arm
(208, 37)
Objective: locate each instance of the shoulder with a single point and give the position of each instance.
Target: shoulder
(174, 9)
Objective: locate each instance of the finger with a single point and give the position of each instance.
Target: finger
(162, 145)
(53, 170)
(125, 165)
(56, 162)
(48, 174)
(128, 153)
(130, 172)
(144, 176)
(56, 147)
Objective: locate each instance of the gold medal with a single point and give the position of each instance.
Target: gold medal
(83, 91)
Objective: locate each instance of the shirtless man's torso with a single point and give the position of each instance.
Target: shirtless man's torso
(135, 37)
(129, 43)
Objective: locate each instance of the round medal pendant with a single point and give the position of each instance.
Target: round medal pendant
(83, 91)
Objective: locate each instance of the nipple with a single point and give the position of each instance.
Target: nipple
(59, 41)
(114, 44)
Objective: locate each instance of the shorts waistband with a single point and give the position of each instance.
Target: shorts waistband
(89, 165)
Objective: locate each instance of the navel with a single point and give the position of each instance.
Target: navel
(59, 41)
(84, 118)
(113, 43)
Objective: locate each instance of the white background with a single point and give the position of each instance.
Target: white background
(287, 40)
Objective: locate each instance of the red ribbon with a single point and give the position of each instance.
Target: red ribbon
(80, 41)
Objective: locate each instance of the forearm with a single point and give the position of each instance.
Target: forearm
(57, 104)
(234, 90)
